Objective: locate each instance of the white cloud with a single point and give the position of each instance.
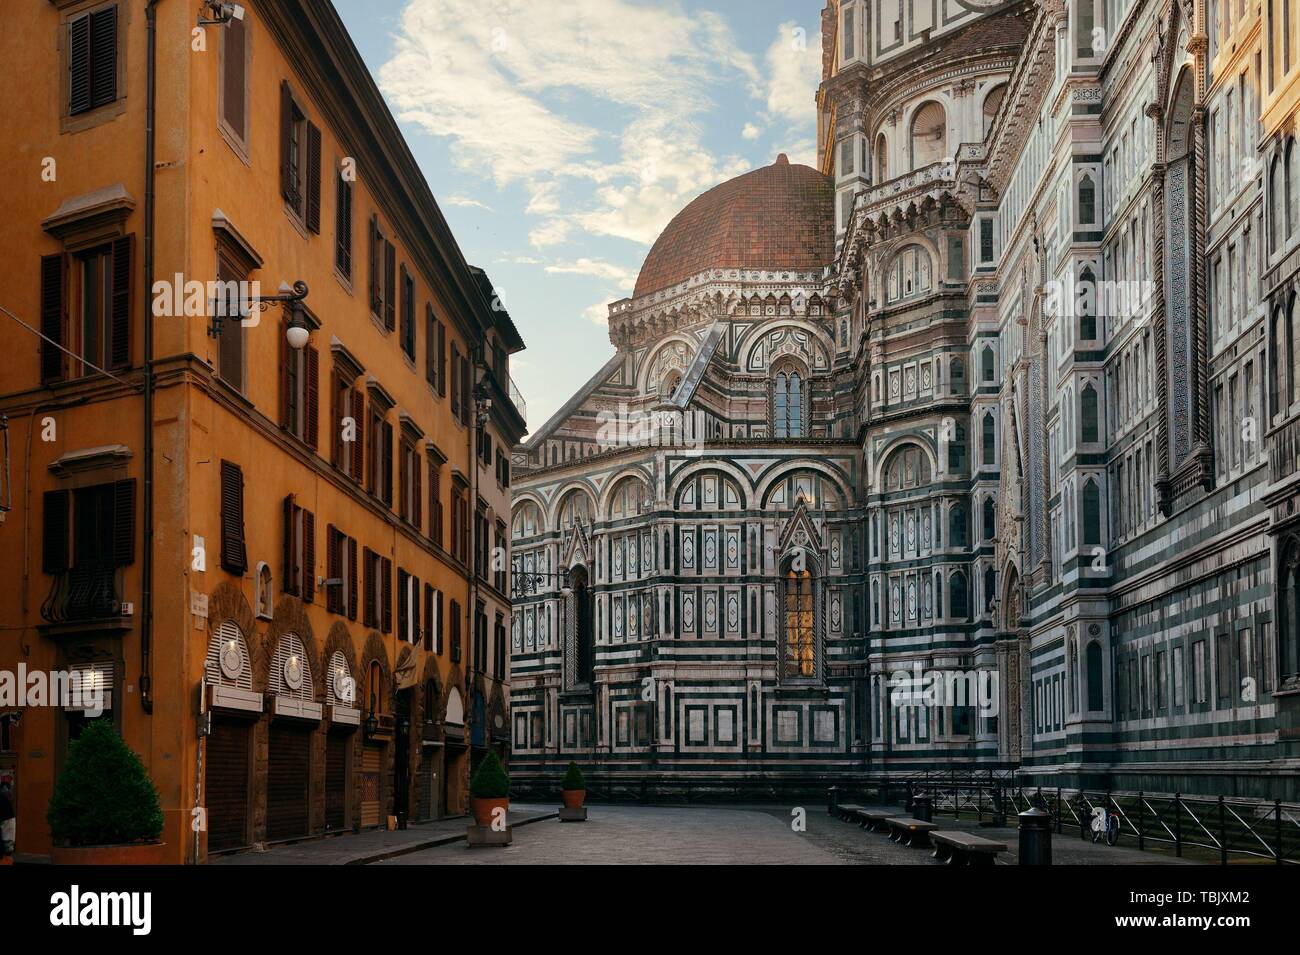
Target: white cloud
(466, 201)
(595, 267)
(750, 131)
(504, 82)
(794, 70)
(598, 313)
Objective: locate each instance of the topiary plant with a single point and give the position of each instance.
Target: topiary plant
(490, 780)
(573, 778)
(104, 796)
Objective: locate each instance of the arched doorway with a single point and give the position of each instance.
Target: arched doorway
(583, 638)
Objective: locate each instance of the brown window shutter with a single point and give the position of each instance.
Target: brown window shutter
(359, 437)
(234, 51)
(312, 417)
(428, 617)
(442, 359)
(442, 624)
(234, 555)
(336, 419)
(343, 227)
(79, 99)
(386, 485)
(417, 492)
(124, 522)
(430, 342)
(352, 578)
(286, 127)
(333, 567)
(466, 391)
(120, 355)
(286, 374)
(386, 570)
(308, 556)
(103, 56)
(455, 381)
(55, 558)
(390, 283)
(403, 604)
(376, 306)
(416, 635)
(368, 566)
(313, 178)
(289, 586)
(54, 319)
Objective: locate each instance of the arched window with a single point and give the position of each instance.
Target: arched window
(957, 526)
(1087, 201)
(957, 596)
(1288, 602)
(575, 509)
(1091, 512)
(987, 438)
(1088, 416)
(989, 518)
(265, 592)
(668, 384)
(375, 689)
(991, 103)
(882, 159)
(1086, 304)
(1276, 204)
(430, 700)
(1292, 187)
(1280, 363)
(908, 468)
(584, 645)
(800, 655)
(958, 377)
(909, 274)
(990, 587)
(787, 402)
(929, 135)
(1073, 676)
(957, 450)
(987, 359)
(1095, 688)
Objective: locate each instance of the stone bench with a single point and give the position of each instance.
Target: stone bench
(847, 810)
(910, 832)
(965, 848)
(871, 819)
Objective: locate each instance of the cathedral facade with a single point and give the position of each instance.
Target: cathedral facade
(972, 449)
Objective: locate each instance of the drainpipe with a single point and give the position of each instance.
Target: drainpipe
(146, 564)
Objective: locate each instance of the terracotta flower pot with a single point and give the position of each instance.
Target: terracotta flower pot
(573, 798)
(484, 808)
(133, 853)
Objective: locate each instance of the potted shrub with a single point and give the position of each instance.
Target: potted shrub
(105, 809)
(574, 787)
(489, 789)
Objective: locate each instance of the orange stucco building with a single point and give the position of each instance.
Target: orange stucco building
(258, 532)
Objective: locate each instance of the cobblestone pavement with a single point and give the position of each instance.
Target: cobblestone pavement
(704, 835)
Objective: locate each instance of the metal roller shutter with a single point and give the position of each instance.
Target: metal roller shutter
(370, 768)
(226, 785)
(289, 762)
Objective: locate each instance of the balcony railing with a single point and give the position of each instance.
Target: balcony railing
(83, 594)
(517, 399)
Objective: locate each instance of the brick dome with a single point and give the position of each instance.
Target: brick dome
(780, 216)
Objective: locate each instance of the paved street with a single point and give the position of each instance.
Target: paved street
(705, 835)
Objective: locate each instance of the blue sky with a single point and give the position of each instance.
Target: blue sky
(560, 136)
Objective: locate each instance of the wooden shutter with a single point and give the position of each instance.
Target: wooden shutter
(455, 381)
(333, 568)
(414, 600)
(390, 290)
(417, 491)
(358, 437)
(440, 628)
(403, 604)
(465, 390)
(442, 359)
(369, 567)
(290, 576)
(336, 419)
(352, 578)
(54, 318)
(386, 570)
(286, 132)
(286, 374)
(55, 558)
(375, 304)
(311, 425)
(120, 355)
(308, 556)
(428, 617)
(234, 555)
(79, 98)
(233, 49)
(103, 56)
(343, 227)
(430, 343)
(313, 178)
(124, 522)
(386, 477)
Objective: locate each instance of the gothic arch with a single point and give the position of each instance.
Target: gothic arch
(578, 485)
(656, 362)
(290, 617)
(227, 602)
(784, 469)
(376, 652)
(739, 477)
(339, 640)
(816, 356)
(605, 501)
(887, 452)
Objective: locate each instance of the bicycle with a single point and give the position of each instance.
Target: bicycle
(1105, 825)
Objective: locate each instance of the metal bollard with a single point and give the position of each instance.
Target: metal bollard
(833, 800)
(1035, 837)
